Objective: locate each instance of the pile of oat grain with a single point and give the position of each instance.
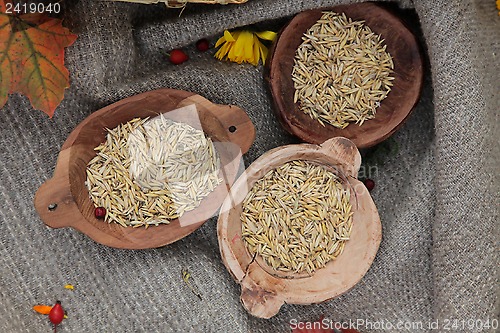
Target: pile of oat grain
(150, 171)
(297, 217)
(342, 71)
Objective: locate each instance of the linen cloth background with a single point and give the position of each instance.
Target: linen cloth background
(437, 198)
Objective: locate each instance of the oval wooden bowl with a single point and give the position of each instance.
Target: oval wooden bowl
(394, 109)
(223, 123)
(262, 292)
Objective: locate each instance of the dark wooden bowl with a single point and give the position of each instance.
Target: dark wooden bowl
(226, 124)
(393, 111)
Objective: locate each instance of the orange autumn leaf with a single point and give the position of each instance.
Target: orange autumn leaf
(45, 309)
(32, 58)
(42, 309)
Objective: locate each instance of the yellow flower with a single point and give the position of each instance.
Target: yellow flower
(498, 7)
(244, 46)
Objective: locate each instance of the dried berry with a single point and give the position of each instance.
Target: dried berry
(100, 212)
(202, 45)
(56, 314)
(369, 183)
(177, 57)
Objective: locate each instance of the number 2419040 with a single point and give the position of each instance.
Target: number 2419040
(32, 8)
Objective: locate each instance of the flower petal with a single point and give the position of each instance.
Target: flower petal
(248, 48)
(263, 52)
(231, 54)
(237, 50)
(230, 46)
(256, 51)
(222, 52)
(42, 309)
(228, 36)
(267, 35)
(243, 43)
(220, 41)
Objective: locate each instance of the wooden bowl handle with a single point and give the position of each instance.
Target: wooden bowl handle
(57, 208)
(259, 302)
(344, 150)
(53, 200)
(238, 125)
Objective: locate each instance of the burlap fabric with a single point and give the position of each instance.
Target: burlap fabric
(437, 198)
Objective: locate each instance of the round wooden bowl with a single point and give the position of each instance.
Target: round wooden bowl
(63, 200)
(394, 109)
(263, 291)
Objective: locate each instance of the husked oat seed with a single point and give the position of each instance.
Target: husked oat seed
(341, 72)
(297, 217)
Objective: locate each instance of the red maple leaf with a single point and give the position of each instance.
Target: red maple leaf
(32, 58)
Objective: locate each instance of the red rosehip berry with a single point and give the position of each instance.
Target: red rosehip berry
(369, 183)
(56, 314)
(177, 57)
(100, 212)
(202, 45)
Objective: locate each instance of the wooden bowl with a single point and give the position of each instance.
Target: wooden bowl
(394, 109)
(224, 124)
(262, 292)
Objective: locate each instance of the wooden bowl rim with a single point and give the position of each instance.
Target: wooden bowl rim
(308, 129)
(112, 234)
(284, 289)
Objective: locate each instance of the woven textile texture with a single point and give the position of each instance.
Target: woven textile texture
(437, 197)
